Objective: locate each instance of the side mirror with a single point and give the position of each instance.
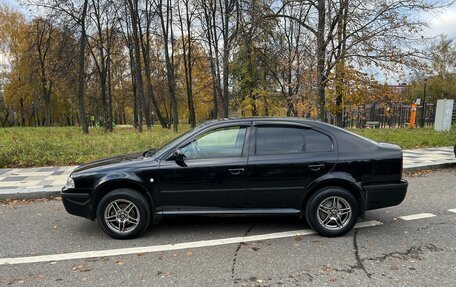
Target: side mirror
(178, 155)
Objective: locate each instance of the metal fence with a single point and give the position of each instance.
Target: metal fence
(389, 115)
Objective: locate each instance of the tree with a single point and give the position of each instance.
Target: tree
(73, 14)
(187, 47)
(43, 32)
(103, 17)
(441, 80)
(164, 12)
(81, 68)
(375, 33)
(145, 47)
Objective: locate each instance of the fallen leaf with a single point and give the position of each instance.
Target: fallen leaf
(327, 268)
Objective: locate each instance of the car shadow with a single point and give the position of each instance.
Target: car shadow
(194, 228)
(226, 225)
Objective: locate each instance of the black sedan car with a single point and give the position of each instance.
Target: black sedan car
(251, 166)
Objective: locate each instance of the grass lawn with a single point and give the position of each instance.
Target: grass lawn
(411, 138)
(27, 147)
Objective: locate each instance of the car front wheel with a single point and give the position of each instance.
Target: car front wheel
(332, 211)
(123, 213)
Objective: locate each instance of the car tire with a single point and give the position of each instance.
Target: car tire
(124, 213)
(332, 211)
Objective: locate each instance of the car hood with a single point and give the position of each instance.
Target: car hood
(136, 156)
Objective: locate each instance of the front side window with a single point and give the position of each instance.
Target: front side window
(222, 142)
(283, 140)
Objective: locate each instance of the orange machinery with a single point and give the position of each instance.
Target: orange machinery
(412, 116)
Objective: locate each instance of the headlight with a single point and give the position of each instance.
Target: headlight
(70, 183)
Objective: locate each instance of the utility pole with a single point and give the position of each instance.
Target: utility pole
(424, 104)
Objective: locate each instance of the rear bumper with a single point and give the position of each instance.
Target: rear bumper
(385, 195)
(77, 203)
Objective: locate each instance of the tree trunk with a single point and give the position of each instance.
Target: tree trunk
(340, 67)
(225, 60)
(168, 36)
(191, 107)
(81, 72)
(321, 54)
(187, 59)
(21, 102)
(145, 48)
(210, 20)
(138, 73)
(109, 95)
(226, 95)
(215, 82)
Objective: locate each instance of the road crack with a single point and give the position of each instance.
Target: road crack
(413, 252)
(233, 266)
(359, 262)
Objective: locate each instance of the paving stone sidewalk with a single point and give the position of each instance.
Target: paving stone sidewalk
(429, 158)
(42, 182)
(33, 182)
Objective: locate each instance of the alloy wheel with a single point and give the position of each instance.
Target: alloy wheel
(122, 216)
(334, 213)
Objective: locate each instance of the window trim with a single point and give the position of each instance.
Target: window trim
(245, 150)
(287, 125)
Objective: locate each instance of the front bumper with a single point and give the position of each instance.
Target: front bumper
(77, 202)
(385, 195)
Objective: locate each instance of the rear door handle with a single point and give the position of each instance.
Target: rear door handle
(316, 167)
(235, 171)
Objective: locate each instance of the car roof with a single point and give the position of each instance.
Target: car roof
(277, 119)
(347, 141)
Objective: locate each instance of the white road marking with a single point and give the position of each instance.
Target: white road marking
(452, 210)
(166, 247)
(416, 216)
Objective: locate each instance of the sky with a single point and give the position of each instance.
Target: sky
(440, 22)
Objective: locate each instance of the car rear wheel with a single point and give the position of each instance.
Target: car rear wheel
(332, 211)
(123, 213)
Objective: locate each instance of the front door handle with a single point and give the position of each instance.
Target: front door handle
(316, 167)
(235, 171)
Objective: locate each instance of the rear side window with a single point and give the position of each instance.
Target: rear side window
(283, 140)
(316, 141)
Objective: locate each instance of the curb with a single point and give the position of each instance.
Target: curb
(32, 194)
(431, 166)
(51, 193)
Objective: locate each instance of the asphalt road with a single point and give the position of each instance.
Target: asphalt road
(417, 252)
